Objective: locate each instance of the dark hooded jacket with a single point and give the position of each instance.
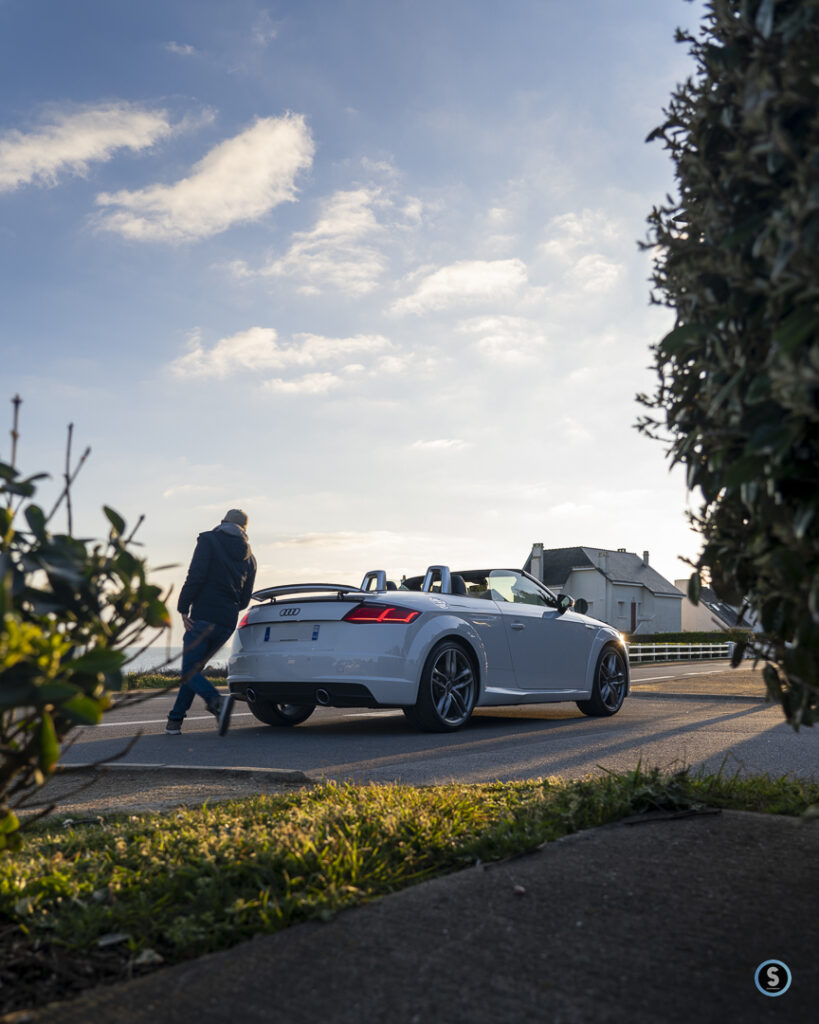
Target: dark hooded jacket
(220, 578)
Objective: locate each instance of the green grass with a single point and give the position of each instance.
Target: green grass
(193, 881)
(163, 680)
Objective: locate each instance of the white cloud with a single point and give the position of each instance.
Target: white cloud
(181, 49)
(265, 29)
(506, 339)
(69, 142)
(589, 229)
(413, 210)
(336, 252)
(382, 167)
(468, 281)
(310, 384)
(454, 444)
(239, 180)
(569, 510)
(391, 365)
(573, 429)
(594, 274)
(341, 539)
(258, 349)
(187, 490)
(344, 375)
(578, 242)
(247, 350)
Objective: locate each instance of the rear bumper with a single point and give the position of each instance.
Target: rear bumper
(331, 695)
(292, 675)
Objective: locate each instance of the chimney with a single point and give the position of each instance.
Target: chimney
(536, 562)
(601, 560)
(645, 558)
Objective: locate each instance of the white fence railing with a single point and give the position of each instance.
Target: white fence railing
(678, 652)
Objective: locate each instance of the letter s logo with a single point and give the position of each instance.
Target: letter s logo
(773, 978)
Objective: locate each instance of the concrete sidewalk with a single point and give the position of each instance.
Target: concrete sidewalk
(697, 679)
(662, 920)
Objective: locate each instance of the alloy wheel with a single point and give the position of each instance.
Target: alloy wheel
(452, 684)
(612, 680)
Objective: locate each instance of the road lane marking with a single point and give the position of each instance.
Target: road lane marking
(236, 714)
(705, 672)
(386, 713)
(159, 721)
(670, 678)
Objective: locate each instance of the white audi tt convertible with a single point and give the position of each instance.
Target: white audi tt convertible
(437, 646)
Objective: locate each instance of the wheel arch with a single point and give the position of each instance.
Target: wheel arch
(471, 653)
(446, 705)
(451, 627)
(602, 641)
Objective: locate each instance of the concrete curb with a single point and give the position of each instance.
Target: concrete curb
(198, 773)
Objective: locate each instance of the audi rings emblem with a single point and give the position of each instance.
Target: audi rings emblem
(290, 611)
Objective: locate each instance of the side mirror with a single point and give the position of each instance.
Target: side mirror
(581, 605)
(564, 603)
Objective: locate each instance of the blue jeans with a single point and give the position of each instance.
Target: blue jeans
(198, 647)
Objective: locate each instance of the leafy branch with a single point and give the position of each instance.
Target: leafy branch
(69, 608)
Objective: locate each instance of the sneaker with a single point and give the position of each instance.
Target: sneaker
(225, 710)
(173, 728)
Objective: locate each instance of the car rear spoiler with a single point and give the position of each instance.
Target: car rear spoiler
(271, 593)
(375, 580)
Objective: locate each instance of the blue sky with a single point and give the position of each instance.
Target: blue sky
(367, 270)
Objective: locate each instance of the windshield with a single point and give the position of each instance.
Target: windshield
(507, 585)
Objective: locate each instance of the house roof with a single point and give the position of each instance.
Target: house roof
(726, 612)
(621, 567)
(559, 562)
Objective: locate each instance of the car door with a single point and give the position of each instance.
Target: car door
(549, 651)
(485, 618)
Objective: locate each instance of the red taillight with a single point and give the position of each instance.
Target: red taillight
(243, 621)
(379, 613)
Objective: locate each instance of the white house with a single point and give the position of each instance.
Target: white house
(621, 588)
(711, 614)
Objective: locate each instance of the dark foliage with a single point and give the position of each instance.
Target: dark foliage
(738, 260)
(68, 608)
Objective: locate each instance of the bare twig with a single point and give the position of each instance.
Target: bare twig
(138, 654)
(67, 478)
(139, 523)
(17, 401)
(44, 813)
(66, 490)
(130, 698)
(27, 800)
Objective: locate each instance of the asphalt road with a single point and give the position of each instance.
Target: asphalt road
(499, 743)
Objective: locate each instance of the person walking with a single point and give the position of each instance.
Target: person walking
(218, 586)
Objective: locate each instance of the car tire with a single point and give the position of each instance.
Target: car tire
(280, 714)
(609, 686)
(411, 715)
(447, 690)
